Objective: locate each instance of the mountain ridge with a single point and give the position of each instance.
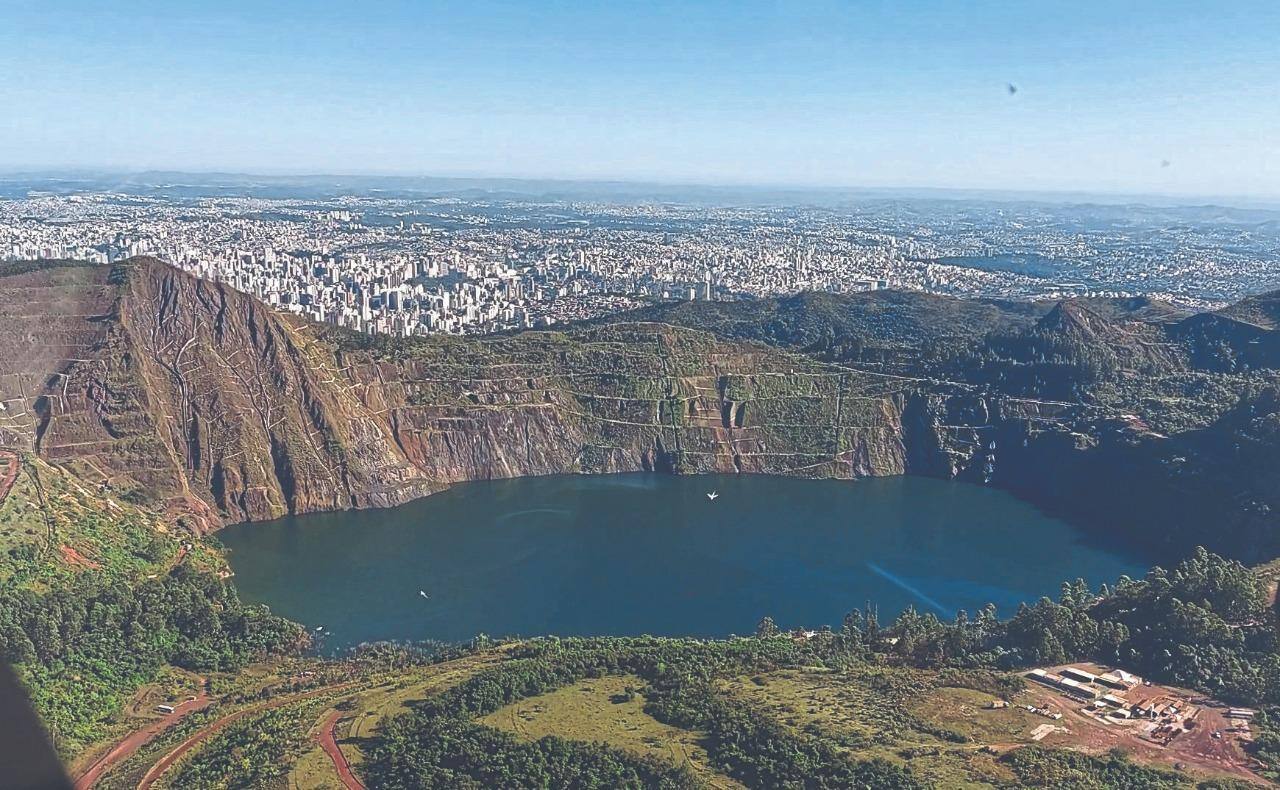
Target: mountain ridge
(183, 392)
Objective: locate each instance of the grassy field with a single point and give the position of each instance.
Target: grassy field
(949, 736)
(313, 771)
(394, 696)
(610, 710)
(172, 687)
(969, 713)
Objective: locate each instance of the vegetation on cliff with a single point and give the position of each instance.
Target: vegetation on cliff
(96, 598)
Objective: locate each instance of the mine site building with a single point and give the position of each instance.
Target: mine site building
(1119, 679)
(1077, 690)
(1078, 675)
(1040, 676)
(1071, 688)
(1245, 714)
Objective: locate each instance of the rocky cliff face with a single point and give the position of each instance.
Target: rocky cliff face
(188, 392)
(192, 393)
(166, 388)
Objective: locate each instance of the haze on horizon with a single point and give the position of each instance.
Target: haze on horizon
(1162, 97)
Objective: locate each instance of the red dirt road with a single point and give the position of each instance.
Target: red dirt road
(166, 762)
(139, 738)
(329, 742)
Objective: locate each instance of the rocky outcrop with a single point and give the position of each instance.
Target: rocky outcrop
(193, 394)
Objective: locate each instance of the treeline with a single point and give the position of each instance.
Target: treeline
(416, 751)
(256, 751)
(81, 649)
(438, 744)
(1059, 769)
(1266, 742)
(1205, 624)
(24, 267)
(759, 751)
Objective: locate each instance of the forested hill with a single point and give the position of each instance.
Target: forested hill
(977, 340)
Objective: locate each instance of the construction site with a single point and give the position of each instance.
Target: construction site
(1097, 707)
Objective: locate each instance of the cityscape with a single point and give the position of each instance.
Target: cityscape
(410, 264)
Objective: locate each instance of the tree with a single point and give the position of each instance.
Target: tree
(766, 628)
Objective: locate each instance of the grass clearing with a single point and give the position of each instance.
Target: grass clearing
(314, 770)
(394, 696)
(969, 713)
(896, 714)
(863, 707)
(609, 710)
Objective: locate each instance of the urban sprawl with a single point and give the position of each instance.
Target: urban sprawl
(412, 266)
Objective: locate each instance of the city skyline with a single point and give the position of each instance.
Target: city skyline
(1160, 99)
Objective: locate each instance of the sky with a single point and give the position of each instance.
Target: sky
(1137, 96)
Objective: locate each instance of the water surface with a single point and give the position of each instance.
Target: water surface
(651, 554)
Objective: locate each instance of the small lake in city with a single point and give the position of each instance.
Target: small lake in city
(653, 554)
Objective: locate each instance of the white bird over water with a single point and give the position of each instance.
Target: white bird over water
(712, 496)
(423, 593)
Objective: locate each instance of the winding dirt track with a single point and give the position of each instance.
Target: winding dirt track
(165, 763)
(8, 472)
(329, 742)
(139, 738)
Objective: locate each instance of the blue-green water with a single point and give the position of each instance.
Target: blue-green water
(651, 554)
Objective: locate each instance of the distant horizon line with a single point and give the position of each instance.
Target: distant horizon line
(1047, 194)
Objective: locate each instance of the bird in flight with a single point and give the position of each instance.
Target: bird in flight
(1012, 88)
(423, 593)
(712, 496)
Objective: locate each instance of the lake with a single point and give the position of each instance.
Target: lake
(652, 554)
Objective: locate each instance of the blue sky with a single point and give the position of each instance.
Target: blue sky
(855, 93)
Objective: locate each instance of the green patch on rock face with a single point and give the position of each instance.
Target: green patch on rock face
(55, 526)
(98, 596)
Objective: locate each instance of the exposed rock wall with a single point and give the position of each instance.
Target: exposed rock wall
(166, 388)
(193, 393)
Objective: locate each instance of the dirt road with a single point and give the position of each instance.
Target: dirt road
(329, 742)
(139, 738)
(174, 754)
(9, 465)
